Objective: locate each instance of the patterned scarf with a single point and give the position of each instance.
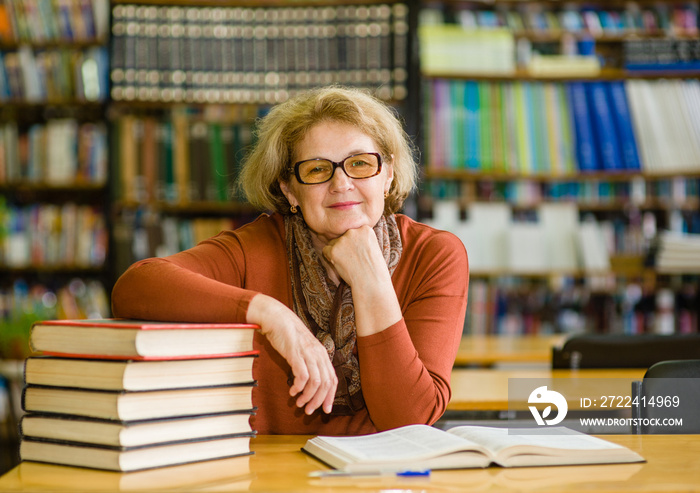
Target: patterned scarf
(328, 309)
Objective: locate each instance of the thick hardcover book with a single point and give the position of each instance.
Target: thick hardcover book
(135, 339)
(116, 433)
(135, 458)
(130, 406)
(137, 374)
(422, 447)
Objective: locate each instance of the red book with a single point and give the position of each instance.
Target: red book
(141, 340)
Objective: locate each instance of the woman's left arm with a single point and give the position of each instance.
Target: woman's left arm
(406, 346)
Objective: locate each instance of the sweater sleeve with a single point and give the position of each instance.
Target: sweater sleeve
(405, 369)
(202, 284)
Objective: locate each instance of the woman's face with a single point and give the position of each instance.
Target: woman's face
(342, 203)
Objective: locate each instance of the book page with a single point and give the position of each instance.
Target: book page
(406, 443)
(498, 439)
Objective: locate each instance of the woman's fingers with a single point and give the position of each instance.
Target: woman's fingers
(355, 255)
(316, 382)
(314, 376)
(301, 376)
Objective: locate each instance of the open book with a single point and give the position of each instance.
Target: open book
(423, 447)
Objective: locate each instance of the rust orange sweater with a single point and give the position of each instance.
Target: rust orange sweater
(405, 369)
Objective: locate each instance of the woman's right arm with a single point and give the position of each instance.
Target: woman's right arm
(165, 289)
(203, 285)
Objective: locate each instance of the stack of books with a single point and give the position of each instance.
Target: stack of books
(126, 395)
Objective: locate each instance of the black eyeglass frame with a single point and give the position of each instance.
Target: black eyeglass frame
(341, 165)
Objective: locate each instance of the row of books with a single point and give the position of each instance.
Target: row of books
(265, 54)
(58, 152)
(40, 21)
(448, 49)
(526, 127)
(178, 159)
(143, 233)
(23, 303)
(635, 233)
(531, 128)
(520, 307)
(552, 18)
(557, 241)
(54, 75)
(51, 235)
(667, 193)
(127, 395)
(655, 54)
(495, 234)
(666, 115)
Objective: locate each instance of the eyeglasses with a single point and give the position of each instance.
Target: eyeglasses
(357, 166)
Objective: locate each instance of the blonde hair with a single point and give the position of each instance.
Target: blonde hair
(285, 126)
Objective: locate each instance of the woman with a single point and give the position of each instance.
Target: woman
(361, 310)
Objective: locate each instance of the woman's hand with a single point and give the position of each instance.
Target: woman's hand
(314, 376)
(357, 258)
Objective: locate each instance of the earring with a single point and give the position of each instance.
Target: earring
(293, 209)
(386, 194)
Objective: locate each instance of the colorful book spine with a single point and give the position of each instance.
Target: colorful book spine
(458, 125)
(604, 129)
(585, 140)
(619, 106)
(472, 127)
(523, 126)
(486, 141)
(541, 156)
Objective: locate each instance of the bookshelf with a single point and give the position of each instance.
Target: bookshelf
(189, 79)
(122, 124)
(522, 108)
(54, 242)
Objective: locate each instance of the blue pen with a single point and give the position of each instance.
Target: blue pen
(337, 474)
(410, 474)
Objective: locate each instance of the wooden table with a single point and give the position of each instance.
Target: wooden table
(278, 465)
(481, 389)
(490, 350)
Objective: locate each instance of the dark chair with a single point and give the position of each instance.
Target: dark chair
(624, 351)
(670, 390)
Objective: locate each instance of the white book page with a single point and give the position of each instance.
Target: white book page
(406, 443)
(498, 439)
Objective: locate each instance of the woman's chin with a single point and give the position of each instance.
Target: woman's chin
(338, 230)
